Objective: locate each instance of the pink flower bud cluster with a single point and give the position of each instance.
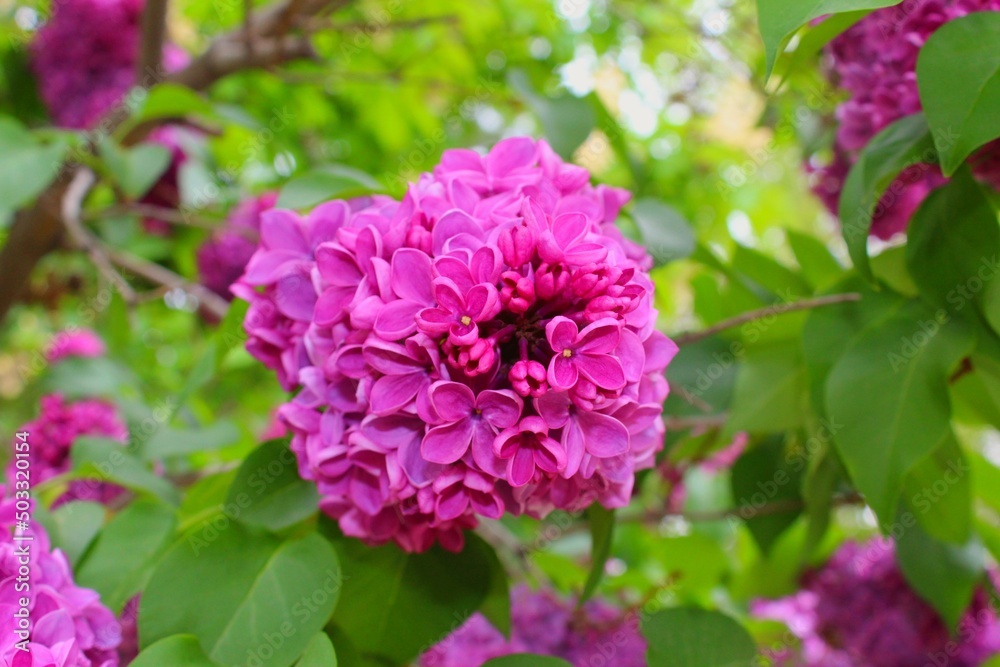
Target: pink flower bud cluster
(859, 610)
(53, 433)
(224, 256)
(543, 623)
(69, 625)
(74, 343)
(875, 62)
(487, 344)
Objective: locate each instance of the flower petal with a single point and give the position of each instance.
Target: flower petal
(603, 370)
(448, 443)
(561, 333)
(412, 276)
(510, 154)
(483, 439)
(482, 302)
(562, 373)
(281, 229)
(452, 401)
(601, 337)
(500, 408)
(397, 320)
(604, 436)
(390, 393)
(521, 467)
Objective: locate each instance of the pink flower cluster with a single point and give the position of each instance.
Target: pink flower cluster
(69, 625)
(859, 610)
(86, 55)
(875, 62)
(545, 624)
(53, 433)
(487, 344)
(223, 257)
(74, 343)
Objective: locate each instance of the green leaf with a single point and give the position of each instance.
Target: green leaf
(812, 40)
(953, 249)
(820, 481)
(170, 100)
(135, 169)
(945, 575)
(779, 19)
(496, 606)
(123, 557)
(110, 461)
(602, 530)
(693, 637)
(28, 165)
(566, 120)
(168, 442)
(666, 235)
(269, 596)
(939, 491)
(958, 73)
(979, 391)
(174, 651)
(526, 660)
(321, 185)
(887, 399)
(771, 393)
(765, 475)
(905, 143)
(817, 263)
(319, 652)
(769, 274)
(268, 491)
(394, 604)
(76, 525)
(81, 377)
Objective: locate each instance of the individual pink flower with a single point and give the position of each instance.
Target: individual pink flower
(69, 627)
(53, 433)
(421, 336)
(544, 623)
(875, 62)
(859, 609)
(75, 343)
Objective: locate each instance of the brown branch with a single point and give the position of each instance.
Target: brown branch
(76, 192)
(227, 57)
(164, 277)
(778, 309)
(154, 28)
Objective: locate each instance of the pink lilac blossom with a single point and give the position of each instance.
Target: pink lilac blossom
(74, 343)
(546, 624)
(223, 257)
(859, 610)
(53, 433)
(69, 625)
(875, 62)
(487, 344)
(166, 192)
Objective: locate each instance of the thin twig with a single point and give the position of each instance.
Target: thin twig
(167, 278)
(154, 28)
(777, 309)
(84, 240)
(695, 421)
(162, 213)
(505, 542)
(316, 24)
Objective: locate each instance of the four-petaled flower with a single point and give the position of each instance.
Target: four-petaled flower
(529, 446)
(587, 352)
(458, 314)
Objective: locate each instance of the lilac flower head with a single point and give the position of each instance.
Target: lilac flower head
(875, 62)
(75, 343)
(69, 627)
(858, 609)
(546, 624)
(487, 344)
(53, 433)
(224, 256)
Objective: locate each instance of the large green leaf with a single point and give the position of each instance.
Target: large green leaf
(269, 596)
(602, 532)
(907, 143)
(953, 249)
(566, 121)
(766, 475)
(666, 235)
(28, 165)
(76, 524)
(268, 491)
(887, 399)
(168, 441)
(817, 263)
(945, 575)
(319, 652)
(106, 460)
(958, 72)
(122, 558)
(692, 637)
(330, 182)
(939, 491)
(174, 651)
(135, 169)
(395, 604)
(771, 392)
(779, 19)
